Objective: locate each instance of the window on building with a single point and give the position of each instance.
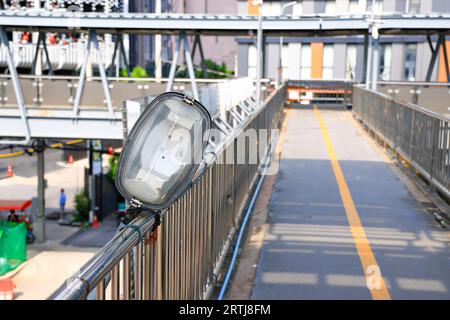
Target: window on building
(353, 6)
(377, 5)
(385, 62)
(252, 61)
(350, 62)
(305, 63)
(272, 8)
(297, 9)
(410, 62)
(328, 62)
(284, 61)
(330, 7)
(412, 6)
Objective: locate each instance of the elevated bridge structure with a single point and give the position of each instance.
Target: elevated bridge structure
(34, 116)
(231, 25)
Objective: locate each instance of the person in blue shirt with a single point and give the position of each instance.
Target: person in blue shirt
(62, 204)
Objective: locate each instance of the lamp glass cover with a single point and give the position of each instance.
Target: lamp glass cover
(163, 150)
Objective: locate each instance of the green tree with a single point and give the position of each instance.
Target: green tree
(137, 72)
(82, 205)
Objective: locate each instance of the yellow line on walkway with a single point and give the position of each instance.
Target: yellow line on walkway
(374, 279)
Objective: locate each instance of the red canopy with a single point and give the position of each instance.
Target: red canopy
(20, 205)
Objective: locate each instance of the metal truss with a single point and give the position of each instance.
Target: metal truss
(92, 38)
(41, 41)
(190, 66)
(17, 90)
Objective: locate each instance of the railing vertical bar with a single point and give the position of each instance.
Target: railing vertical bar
(100, 290)
(126, 276)
(138, 274)
(147, 267)
(115, 281)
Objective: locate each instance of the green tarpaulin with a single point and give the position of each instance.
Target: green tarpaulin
(13, 250)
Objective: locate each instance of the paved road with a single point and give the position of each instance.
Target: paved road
(309, 250)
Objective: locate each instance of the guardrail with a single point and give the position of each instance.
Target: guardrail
(183, 257)
(435, 96)
(419, 135)
(62, 56)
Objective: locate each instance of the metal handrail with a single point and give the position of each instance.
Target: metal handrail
(89, 276)
(411, 105)
(420, 136)
(183, 258)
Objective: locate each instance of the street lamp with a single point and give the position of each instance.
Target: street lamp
(280, 67)
(166, 151)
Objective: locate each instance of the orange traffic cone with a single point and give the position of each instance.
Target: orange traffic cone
(95, 223)
(10, 172)
(70, 161)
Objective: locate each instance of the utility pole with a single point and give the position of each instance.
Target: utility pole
(375, 58)
(158, 46)
(280, 63)
(39, 224)
(259, 53)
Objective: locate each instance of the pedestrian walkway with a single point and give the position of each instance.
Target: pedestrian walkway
(339, 216)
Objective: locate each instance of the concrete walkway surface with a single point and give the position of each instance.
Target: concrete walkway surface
(309, 250)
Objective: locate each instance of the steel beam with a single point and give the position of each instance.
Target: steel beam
(368, 73)
(104, 80)
(82, 77)
(226, 24)
(41, 39)
(190, 66)
(39, 224)
(110, 68)
(118, 46)
(433, 59)
(58, 123)
(445, 53)
(173, 66)
(17, 89)
(198, 42)
(124, 56)
(92, 38)
(375, 64)
(182, 39)
(259, 64)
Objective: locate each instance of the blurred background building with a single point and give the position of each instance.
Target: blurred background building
(402, 58)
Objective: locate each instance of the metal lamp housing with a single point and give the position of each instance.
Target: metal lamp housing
(164, 151)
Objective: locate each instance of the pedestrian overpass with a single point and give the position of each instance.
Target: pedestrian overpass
(345, 220)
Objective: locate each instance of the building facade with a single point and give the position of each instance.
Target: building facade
(401, 58)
